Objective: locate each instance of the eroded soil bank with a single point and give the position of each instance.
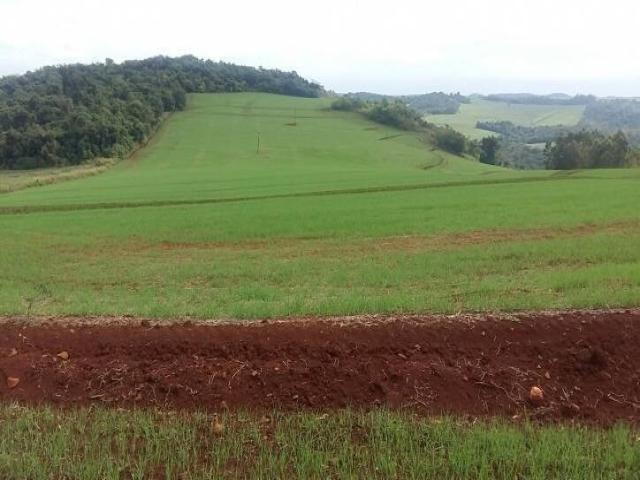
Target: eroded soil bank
(586, 363)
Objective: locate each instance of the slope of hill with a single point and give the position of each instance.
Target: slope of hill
(211, 152)
(255, 205)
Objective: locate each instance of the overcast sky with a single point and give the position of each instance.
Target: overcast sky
(398, 46)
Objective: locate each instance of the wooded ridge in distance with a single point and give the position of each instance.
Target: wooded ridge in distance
(61, 115)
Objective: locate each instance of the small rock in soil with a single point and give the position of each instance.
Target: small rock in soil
(536, 395)
(12, 382)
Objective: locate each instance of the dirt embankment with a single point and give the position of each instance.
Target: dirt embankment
(587, 365)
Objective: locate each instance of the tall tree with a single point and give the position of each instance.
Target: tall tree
(489, 150)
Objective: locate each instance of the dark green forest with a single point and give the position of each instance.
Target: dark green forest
(393, 113)
(61, 115)
(520, 156)
(589, 149)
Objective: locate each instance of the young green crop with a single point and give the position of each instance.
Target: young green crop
(210, 151)
(325, 218)
(42, 443)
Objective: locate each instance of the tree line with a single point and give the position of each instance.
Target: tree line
(398, 114)
(565, 147)
(618, 114)
(568, 151)
(61, 115)
(532, 99)
(436, 103)
(518, 146)
(524, 134)
(427, 103)
(590, 149)
(611, 115)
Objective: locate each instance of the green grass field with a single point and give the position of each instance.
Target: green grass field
(325, 218)
(210, 152)
(527, 115)
(42, 443)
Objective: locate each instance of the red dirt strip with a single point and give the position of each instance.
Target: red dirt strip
(586, 363)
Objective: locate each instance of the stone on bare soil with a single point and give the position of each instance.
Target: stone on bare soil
(536, 395)
(12, 382)
(63, 355)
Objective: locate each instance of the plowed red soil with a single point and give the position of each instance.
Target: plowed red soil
(587, 364)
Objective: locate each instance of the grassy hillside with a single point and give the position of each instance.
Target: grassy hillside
(528, 115)
(210, 152)
(332, 215)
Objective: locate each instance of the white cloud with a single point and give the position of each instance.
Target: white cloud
(397, 46)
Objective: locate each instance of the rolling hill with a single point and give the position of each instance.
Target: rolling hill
(520, 114)
(210, 152)
(329, 214)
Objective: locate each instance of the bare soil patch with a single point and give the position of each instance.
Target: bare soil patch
(586, 364)
(406, 243)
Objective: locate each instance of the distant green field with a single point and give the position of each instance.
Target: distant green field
(325, 217)
(528, 115)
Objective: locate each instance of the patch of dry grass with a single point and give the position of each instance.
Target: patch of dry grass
(13, 180)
